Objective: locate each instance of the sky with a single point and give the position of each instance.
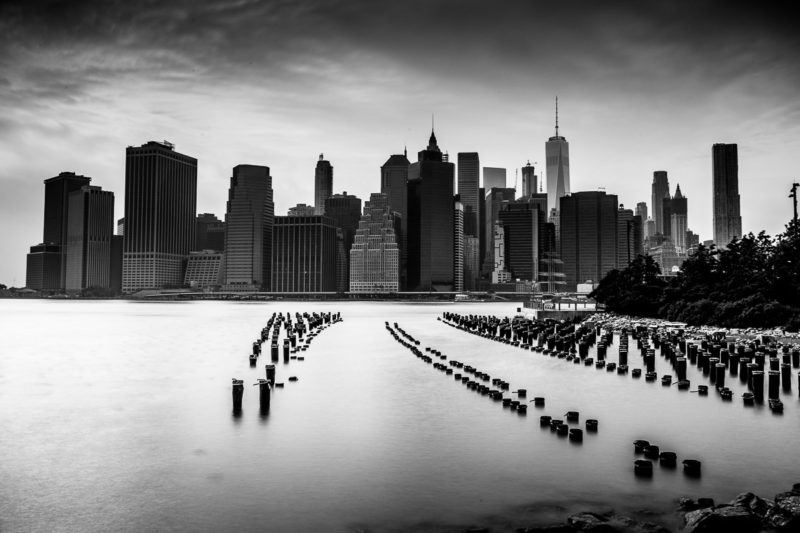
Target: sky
(642, 86)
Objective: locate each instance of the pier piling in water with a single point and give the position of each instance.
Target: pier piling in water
(238, 392)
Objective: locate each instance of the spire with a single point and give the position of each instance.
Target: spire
(556, 116)
(405, 151)
(432, 145)
(678, 192)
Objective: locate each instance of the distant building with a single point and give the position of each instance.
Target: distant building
(304, 254)
(660, 189)
(301, 210)
(628, 237)
(499, 272)
(345, 210)
(430, 221)
(589, 229)
(496, 200)
(679, 220)
(394, 184)
(468, 185)
(43, 268)
(641, 212)
(472, 263)
(323, 184)
(667, 257)
(727, 214)
(160, 211)
(204, 269)
(209, 233)
(90, 226)
(494, 177)
(121, 227)
(525, 237)
(530, 181)
(249, 220)
(557, 154)
(374, 256)
(458, 246)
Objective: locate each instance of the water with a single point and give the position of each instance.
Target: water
(116, 416)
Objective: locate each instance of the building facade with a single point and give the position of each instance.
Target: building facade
(304, 254)
(679, 220)
(660, 189)
(394, 184)
(323, 184)
(209, 233)
(458, 246)
(468, 184)
(345, 210)
(204, 269)
(90, 227)
(589, 227)
(496, 199)
(374, 256)
(160, 212)
(530, 181)
(727, 214)
(494, 177)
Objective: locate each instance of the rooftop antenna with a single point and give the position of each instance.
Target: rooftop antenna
(556, 116)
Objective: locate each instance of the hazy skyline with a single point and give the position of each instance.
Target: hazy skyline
(642, 86)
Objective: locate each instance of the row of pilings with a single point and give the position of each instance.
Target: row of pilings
(296, 334)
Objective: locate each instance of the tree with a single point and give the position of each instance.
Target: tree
(636, 290)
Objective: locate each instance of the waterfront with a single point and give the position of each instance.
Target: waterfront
(116, 415)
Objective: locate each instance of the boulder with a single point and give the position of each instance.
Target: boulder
(754, 504)
(722, 519)
(611, 523)
(785, 513)
(688, 504)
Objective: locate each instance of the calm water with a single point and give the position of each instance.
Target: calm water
(117, 416)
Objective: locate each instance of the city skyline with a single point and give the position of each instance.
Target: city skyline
(82, 81)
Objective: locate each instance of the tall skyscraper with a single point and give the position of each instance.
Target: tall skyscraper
(530, 181)
(660, 189)
(468, 182)
(458, 245)
(209, 233)
(430, 221)
(46, 262)
(627, 233)
(304, 254)
(345, 210)
(727, 216)
(374, 256)
(641, 212)
(499, 272)
(160, 210)
(557, 154)
(679, 222)
(666, 216)
(394, 184)
(249, 221)
(323, 184)
(496, 199)
(524, 225)
(90, 227)
(494, 177)
(588, 236)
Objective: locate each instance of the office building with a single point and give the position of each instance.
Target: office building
(496, 200)
(679, 223)
(43, 268)
(430, 221)
(209, 233)
(458, 246)
(525, 240)
(249, 221)
(589, 229)
(660, 189)
(394, 184)
(666, 215)
(629, 236)
(301, 210)
(530, 181)
(557, 157)
(160, 212)
(641, 212)
(121, 227)
(345, 210)
(472, 270)
(90, 226)
(304, 254)
(374, 256)
(204, 269)
(323, 184)
(499, 272)
(494, 177)
(468, 185)
(727, 216)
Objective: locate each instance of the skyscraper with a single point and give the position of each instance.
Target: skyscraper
(394, 184)
(209, 233)
(641, 212)
(727, 217)
(90, 227)
(588, 236)
(249, 221)
(160, 210)
(530, 182)
(524, 225)
(374, 256)
(494, 177)
(323, 184)
(430, 221)
(660, 189)
(468, 182)
(679, 222)
(496, 199)
(458, 245)
(304, 254)
(557, 154)
(345, 210)
(627, 232)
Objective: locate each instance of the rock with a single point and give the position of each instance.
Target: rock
(688, 504)
(722, 519)
(591, 522)
(785, 513)
(754, 504)
(611, 523)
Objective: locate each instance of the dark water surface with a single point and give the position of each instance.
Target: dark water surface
(116, 416)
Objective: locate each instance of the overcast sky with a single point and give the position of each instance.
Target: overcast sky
(642, 86)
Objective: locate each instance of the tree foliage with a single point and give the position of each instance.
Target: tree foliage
(753, 282)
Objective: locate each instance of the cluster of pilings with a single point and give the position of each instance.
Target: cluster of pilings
(666, 459)
(471, 377)
(298, 333)
(561, 427)
(714, 357)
